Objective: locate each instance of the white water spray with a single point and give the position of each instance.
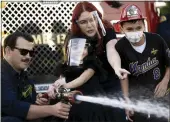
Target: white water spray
(145, 107)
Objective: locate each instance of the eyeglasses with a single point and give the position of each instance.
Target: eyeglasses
(24, 52)
(85, 22)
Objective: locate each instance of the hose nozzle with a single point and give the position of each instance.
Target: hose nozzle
(66, 95)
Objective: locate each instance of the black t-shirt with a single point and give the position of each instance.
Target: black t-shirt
(110, 34)
(149, 66)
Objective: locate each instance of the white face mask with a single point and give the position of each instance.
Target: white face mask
(134, 37)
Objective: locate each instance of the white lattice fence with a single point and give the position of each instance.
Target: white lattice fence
(40, 20)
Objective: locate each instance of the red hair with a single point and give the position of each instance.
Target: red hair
(78, 10)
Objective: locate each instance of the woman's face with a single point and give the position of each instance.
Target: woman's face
(88, 24)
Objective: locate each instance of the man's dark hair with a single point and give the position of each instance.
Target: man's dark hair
(131, 21)
(11, 39)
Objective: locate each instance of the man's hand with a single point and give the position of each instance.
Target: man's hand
(121, 73)
(161, 88)
(40, 100)
(61, 110)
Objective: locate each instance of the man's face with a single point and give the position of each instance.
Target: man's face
(88, 24)
(20, 56)
(133, 27)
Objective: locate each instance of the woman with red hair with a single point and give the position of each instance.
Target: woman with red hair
(101, 35)
(103, 39)
(87, 23)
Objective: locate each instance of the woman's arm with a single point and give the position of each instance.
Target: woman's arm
(112, 54)
(83, 78)
(114, 59)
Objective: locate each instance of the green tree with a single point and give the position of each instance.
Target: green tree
(165, 10)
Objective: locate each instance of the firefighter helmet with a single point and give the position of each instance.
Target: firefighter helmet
(131, 12)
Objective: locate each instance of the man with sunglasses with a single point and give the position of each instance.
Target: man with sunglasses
(147, 57)
(19, 101)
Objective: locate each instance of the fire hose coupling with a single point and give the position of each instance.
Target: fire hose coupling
(66, 95)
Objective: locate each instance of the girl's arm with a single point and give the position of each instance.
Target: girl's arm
(83, 78)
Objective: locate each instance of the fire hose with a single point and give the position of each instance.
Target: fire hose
(65, 95)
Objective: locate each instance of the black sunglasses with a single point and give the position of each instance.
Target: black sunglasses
(24, 52)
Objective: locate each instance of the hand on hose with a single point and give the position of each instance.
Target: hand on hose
(40, 100)
(61, 110)
(61, 81)
(51, 91)
(52, 88)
